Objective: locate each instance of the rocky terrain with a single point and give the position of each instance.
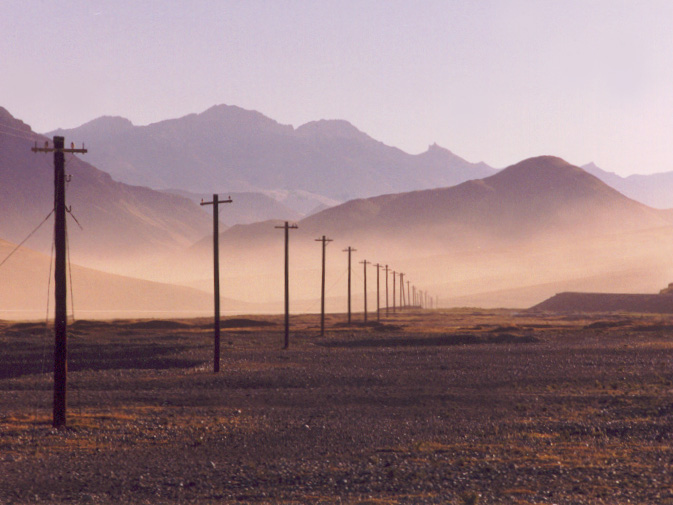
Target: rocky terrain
(459, 407)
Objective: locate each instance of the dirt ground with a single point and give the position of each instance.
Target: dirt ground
(428, 407)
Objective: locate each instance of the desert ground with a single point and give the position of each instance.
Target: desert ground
(460, 406)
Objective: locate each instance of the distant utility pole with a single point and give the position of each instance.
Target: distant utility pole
(324, 241)
(365, 263)
(349, 251)
(60, 319)
(387, 309)
(287, 227)
(401, 291)
(394, 277)
(378, 288)
(216, 276)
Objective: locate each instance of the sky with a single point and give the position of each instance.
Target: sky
(492, 80)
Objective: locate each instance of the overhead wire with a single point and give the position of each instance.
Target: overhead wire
(26, 239)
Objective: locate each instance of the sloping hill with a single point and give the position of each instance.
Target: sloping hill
(26, 291)
(533, 198)
(509, 240)
(117, 220)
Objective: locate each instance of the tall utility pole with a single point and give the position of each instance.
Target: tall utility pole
(401, 291)
(378, 289)
(365, 263)
(349, 251)
(387, 309)
(324, 241)
(216, 276)
(287, 227)
(60, 286)
(408, 294)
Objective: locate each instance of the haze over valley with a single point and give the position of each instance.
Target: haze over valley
(465, 232)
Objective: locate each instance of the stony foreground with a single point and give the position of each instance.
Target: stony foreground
(452, 407)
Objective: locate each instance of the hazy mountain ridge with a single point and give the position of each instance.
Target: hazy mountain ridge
(117, 219)
(655, 190)
(233, 149)
(534, 197)
(508, 240)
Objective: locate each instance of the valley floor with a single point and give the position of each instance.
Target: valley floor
(429, 407)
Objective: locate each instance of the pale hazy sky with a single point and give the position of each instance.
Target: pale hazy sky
(492, 80)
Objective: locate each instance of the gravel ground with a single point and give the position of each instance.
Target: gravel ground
(452, 407)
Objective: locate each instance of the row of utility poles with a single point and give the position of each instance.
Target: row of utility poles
(419, 299)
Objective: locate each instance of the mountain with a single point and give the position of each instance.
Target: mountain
(117, 220)
(511, 239)
(655, 190)
(227, 148)
(536, 197)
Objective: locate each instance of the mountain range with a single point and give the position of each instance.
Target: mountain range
(510, 238)
(655, 190)
(110, 219)
(226, 148)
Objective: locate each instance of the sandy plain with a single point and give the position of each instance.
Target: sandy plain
(459, 406)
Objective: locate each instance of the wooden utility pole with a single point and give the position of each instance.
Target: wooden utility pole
(287, 227)
(378, 288)
(365, 263)
(401, 291)
(349, 251)
(216, 268)
(387, 309)
(394, 277)
(60, 286)
(324, 241)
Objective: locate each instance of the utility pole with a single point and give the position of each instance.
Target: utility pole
(378, 298)
(216, 275)
(394, 277)
(365, 263)
(287, 227)
(60, 287)
(324, 241)
(387, 309)
(349, 251)
(401, 291)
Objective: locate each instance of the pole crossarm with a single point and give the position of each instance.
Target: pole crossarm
(47, 149)
(228, 200)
